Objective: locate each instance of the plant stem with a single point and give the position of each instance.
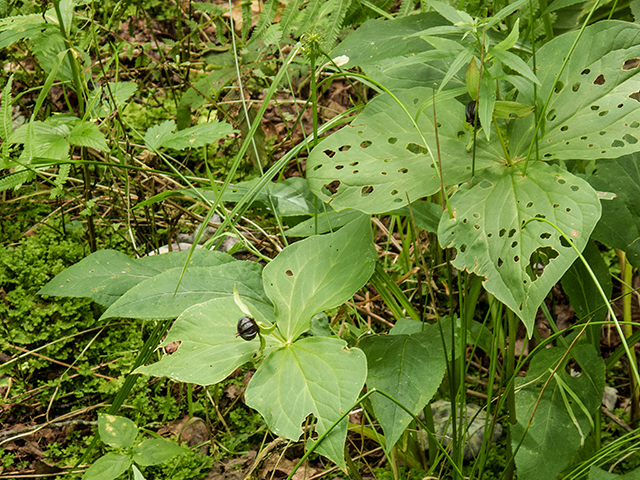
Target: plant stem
(626, 272)
(507, 157)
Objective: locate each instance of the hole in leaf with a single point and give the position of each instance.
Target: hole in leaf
(463, 248)
(564, 128)
(562, 181)
(353, 164)
(394, 192)
(417, 149)
(512, 232)
(333, 186)
(502, 232)
(476, 226)
(345, 148)
(630, 64)
(564, 242)
(630, 139)
(590, 145)
(530, 204)
(476, 215)
(595, 107)
(415, 101)
(576, 87)
(575, 188)
(540, 215)
(635, 96)
(329, 153)
(339, 167)
(514, 244)
(559, 86)
(634, 124)
(392, 140)
(603, 132)
(551, 116)
(568, 209)
(383, 173)
(603, 113)
(485, 184)
(355, 171)
(520, 306)
(360, 132)
(489, 235)
(586, 71)
(583, 138)
(461, 134)
(538, 260)
(317, 167)
(386, 160)
(397, 200)
(599, 80)
(366, 144)
(516, 259)
(500, 262)
(548, 155)
(603, 151)
(366, 190)
(620, 105)
(617, 144)
(465, 220)
(545, 235)
(403, 170)
(289, 273)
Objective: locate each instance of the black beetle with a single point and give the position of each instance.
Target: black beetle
(247, 328)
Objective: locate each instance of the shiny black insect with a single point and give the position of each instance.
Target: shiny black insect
(470, 112)
(247, 328)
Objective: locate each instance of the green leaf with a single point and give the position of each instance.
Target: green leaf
(487, 230)
(410, 368)
(505, 109)
(108, 467)
(486, 102)
(116, 431)
(209, 347)
(594, 110)
(597, 473)
(509, 42)
(328, 221)
(5, 114)
(198, 135)
(157, 298)
(553, 439)
(378, 161)
(87, 134)
(315, 375)
(137, 475)
(579, 286)
(158, 134)
(154, 451)
(318, 273)
(619, 226)
(514, 62)
(103, 276)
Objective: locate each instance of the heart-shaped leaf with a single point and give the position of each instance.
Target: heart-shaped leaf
(407, 367)
(116, 431)
(315, 375)
(318, 273)
(520, 265)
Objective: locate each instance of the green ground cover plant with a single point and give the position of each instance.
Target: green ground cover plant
(390, 249)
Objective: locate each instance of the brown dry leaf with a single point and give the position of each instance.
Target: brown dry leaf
(277, 463)
(256, 10)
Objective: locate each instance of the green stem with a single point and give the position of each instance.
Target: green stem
(507, 157)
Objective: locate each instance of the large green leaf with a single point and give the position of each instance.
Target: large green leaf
(597, 473)
(318, 273)
(106, 275)
(392, 53)
(379, 160)
(619, 226)
(407, 367)
(553, 437)
(487, 230)
(315, 375)
(209, 348)
(157, 298)
(594, 110)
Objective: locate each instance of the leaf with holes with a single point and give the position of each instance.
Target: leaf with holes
(378, 161)
(315, 375)
(594, 111)
(520, 265)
